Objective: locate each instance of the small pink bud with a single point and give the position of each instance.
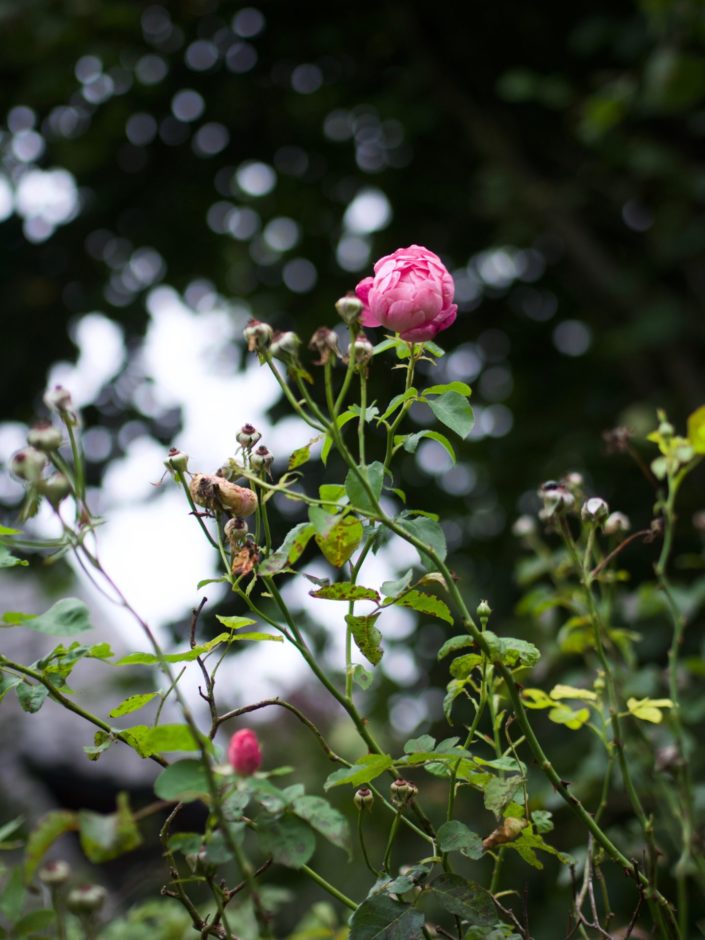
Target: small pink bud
(244, 752)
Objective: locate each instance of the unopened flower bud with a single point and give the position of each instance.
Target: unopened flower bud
(247, 436)
(349, 308)
(55, 488)
(54, 874)
(556, 497)
(262, 458)
(45, 437)
(594, 510)
(665, 428)
(617, 440)
(86, 899)
(219, 494)
(483, 612)
(258, 335)
(617, 522)
(28, 464)
(285, 346)
(325, 343)
(58, 399)
(235, 531)
(361, 349)
(523, 526)
(245, 753)
(699, 521)
(364, 798)
(668, 759)
(403, 791)
(573, 479)
(176, 461)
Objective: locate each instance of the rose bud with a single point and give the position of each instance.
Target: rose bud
(58, 399)
(55, 488)
(258, 335)
(235, 531)
(247, 436)
(617, 522)
(403, 791)
(411, 293)
(28, 464)
(45, 437)
(54, 874)
(176, 461)
(87, 899)
(364, 799)
(285, 346)
(361, 349)
(325, 343)
(523, 526)
(217, 493)
(555, 497)
(244, 752)
(262, 458)
(594, 510)
(483, 612)
(349, 308)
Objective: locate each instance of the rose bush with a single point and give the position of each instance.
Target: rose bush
(411, 293)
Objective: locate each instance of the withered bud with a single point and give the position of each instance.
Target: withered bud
(28, 464)
(86, 899)
(699, 521)
(616, 522)
(594, 510)
(364, 799)
(403, 791)
(361, 349)
(176, 461)
(349, 308)
(509, 830)
(258, 335)
(556, 497)
(235, 531)
(325, 343)
(54, 874)
(55, 488)
(523, 526)
(245, 560)
(262, 458)
(617, 440)
(58, 399)
(285, 346)
(45, 437)
(247, 436)
(216, 493)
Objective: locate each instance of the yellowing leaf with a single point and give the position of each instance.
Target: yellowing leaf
(536, 698)
(563, 715)
(696, 430)
(648, 709)
(570, 691)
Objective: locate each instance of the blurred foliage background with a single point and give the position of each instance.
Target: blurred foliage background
(550, 153)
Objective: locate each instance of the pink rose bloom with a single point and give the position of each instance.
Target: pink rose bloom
(410, 294)
(244, 752)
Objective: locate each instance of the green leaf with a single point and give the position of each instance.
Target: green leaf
(302, 454)
(392, 588)
(8, 560)
(101, 742)
(365, 769)
(454, 836)
(5, 530)
(131, 704)
(65, 618)
(13, 895)
(31, 697)
(8, 828)
(367, 637)
(461, 388)
(257, 637)
(288, 840)
(235, 623)
(455, 643)
(104, 837)
(160, 739)
(465, 899)
(341, 540)
(359, 497)
(319, 814)
(412, 441)
(423, 743)
(184, 781)
(47, 831)
(696, 430)
(500, 792)
(361, 676)
(430, 533)
(7, 682)
(33, 923)
(382, 918)
(397, 401)
(289, 552)
(345, 591)
(512, 651)
(454, 411)
(462, 666)
(424, 603)
(151, 659)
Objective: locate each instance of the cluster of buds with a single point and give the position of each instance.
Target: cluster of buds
(403, 791)
(29, 464)
(556, 498)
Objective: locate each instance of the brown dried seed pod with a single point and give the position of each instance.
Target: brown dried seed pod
(508, 831)
(214, 492)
